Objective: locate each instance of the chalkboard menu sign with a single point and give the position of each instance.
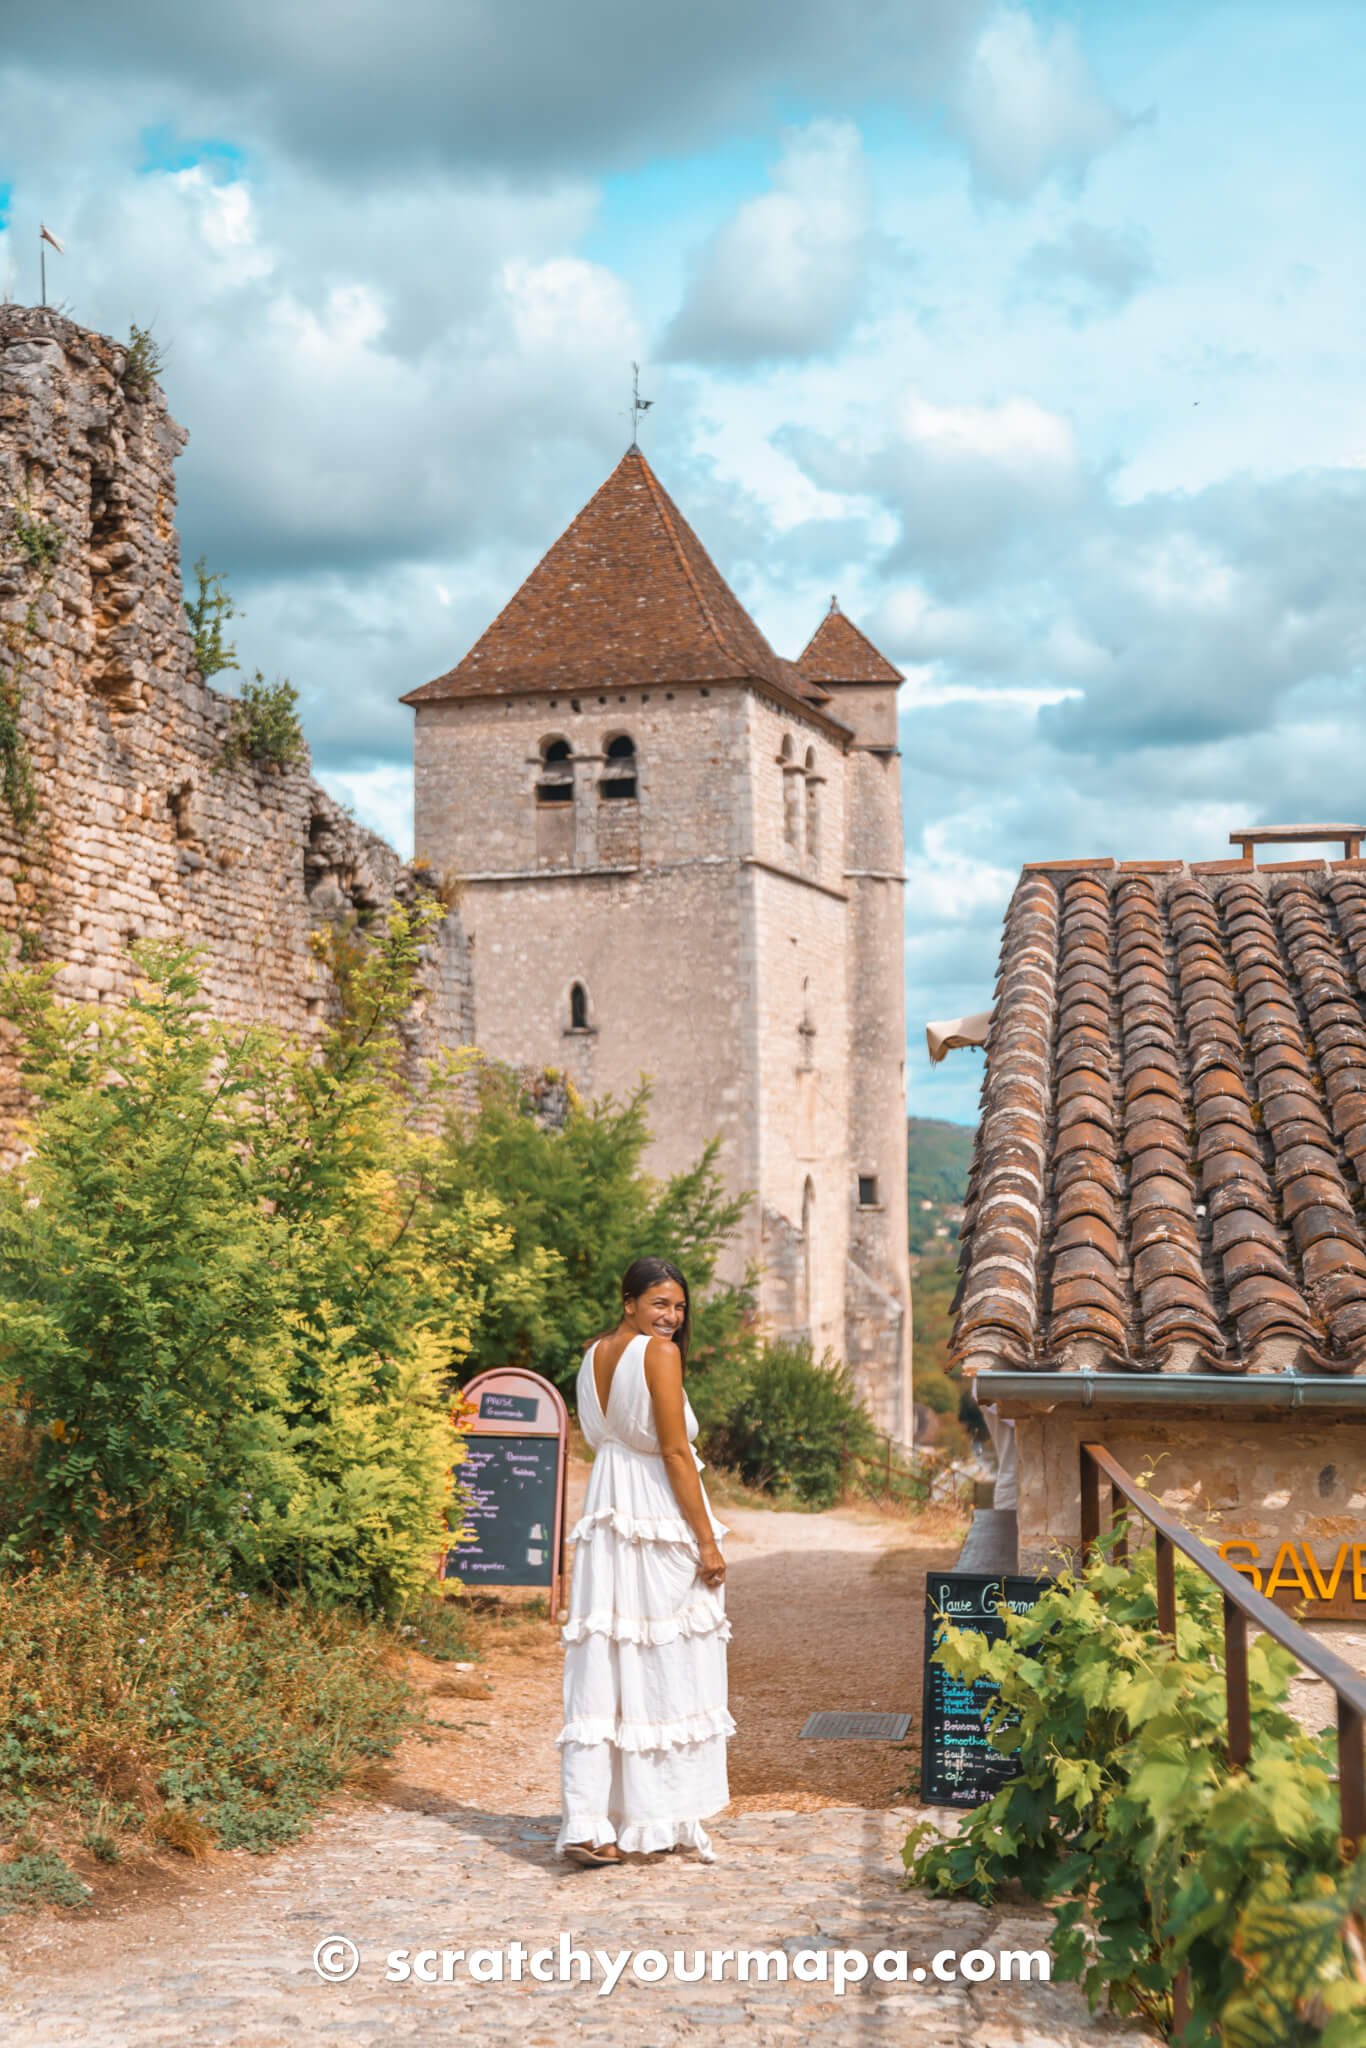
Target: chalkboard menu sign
(958, 1767)
(513, 1482)
(513, 1478)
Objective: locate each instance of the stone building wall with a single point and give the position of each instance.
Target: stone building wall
(139, 830)
(879, 1286)
(653, 929)
(722, 950)
(800, 993)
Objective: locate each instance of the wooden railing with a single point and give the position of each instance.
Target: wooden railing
(1242, 1604)
(891, 1468)
(921, 1473)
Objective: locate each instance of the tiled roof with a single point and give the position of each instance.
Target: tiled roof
(1171, 1157)
(838, 652)
(627, 595)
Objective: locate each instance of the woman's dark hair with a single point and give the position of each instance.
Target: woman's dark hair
(643, 1274)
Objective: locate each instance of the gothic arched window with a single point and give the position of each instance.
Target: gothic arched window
(578, 1007)
(619, 779)
(555, 781)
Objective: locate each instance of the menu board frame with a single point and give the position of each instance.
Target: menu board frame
(510, 1403)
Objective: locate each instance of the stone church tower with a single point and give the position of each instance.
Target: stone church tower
(683, 858)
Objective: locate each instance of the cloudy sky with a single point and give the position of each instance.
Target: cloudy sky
(1035, 332)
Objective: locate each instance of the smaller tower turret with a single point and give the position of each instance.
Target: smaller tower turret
(862, 690)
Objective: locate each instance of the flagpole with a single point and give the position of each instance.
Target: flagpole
(42, 264)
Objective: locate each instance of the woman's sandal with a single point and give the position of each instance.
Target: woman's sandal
(590, 1858)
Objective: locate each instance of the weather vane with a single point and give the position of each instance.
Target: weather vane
(639, 405)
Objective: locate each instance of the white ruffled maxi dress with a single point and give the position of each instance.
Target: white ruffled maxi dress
(643, 1746)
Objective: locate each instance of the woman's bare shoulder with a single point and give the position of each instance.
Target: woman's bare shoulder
(663, 1358)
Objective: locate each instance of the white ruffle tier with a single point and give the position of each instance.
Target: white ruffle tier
(642, 1735)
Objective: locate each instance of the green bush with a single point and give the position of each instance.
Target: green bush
(143, 362)
(160, 1704)
(263, 726)
(1126, 1817)
(38, 1878)
(228, 1313)
(787, 1422)
(208, 612)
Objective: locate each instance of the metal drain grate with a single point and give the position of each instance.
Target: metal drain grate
(856, 1727)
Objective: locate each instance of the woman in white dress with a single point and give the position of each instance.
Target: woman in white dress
(643, 1746)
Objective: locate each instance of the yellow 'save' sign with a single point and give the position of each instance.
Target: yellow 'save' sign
(1293, 1574)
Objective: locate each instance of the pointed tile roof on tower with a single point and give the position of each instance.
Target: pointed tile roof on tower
(838, 653)
(627, 595)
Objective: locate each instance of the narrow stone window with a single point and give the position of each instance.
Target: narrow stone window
(578, 1007)
(618, 784)
(808, 1261)
(813, 806)
(806, 1031)
(791, 792)
(555, 784)
(867, 1191)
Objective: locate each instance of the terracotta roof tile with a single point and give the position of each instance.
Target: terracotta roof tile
(838, 652)
(627, 595)
(1198, 1145)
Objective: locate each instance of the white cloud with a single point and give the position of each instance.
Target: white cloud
(786, 275)
(381, 798)
(1028, 106)
(1086, 268)
(1017, 434)
(970, 483)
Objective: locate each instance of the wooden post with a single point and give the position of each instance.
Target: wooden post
(1090, 1505)
(1166, 1583)
(1235, 1686)
(1351, 1775)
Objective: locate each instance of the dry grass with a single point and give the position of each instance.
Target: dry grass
(157, 1707)
(176, 1828)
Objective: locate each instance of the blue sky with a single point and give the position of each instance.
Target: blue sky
(1033, 331)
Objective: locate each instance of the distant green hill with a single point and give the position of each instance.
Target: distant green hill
(940, 1155)
(937, 1172)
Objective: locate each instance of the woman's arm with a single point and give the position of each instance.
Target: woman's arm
(664, 1378)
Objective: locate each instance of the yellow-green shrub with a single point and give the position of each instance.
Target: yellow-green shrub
(229, 1314)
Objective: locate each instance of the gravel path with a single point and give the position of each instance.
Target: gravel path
(452, 1852)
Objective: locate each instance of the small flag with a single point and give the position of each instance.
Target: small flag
(46, 235)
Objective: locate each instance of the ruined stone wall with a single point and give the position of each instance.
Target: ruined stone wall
(139, 830)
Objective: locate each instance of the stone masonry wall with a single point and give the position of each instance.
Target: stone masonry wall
(139, 830)
(656, 939)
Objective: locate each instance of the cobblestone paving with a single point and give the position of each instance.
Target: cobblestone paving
(233, 1966)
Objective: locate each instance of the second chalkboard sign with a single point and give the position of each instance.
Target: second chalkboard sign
(958, 1766)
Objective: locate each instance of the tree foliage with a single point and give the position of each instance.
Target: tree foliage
(580, 1209)
(228, 1309)
(1127, 1818)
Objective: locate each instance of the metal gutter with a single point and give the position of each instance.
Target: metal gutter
(1278, 1390)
